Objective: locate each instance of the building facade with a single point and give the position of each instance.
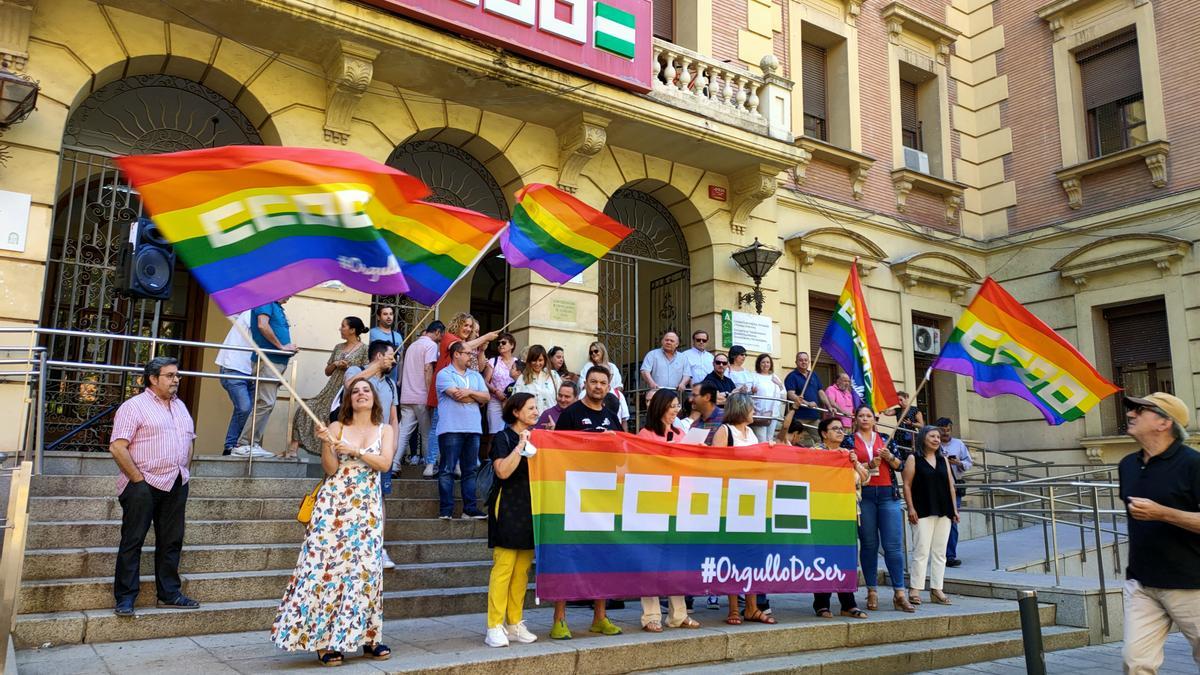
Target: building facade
(935, 143)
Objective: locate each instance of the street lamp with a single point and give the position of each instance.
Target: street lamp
(18, 96)
(755, 260)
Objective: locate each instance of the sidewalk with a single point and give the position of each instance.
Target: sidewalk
(1099, 659)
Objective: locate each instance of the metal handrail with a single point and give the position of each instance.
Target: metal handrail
(132, 338)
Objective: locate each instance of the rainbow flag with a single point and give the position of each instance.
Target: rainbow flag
(850, 340)
(1005, 349)
(556, 235)
(256, 223)
(437, 244)
(619, 516)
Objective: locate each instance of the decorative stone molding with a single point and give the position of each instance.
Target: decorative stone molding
(835, 245)
(900, 17)
(349, 68)
(937, 269)
(750, 187)
(801, 170)
(15, 18)
(906, 180)
(855, 163)
(1154, 154)
(853, 9)
(1120, 253)
(579, 140)
(1107, 449)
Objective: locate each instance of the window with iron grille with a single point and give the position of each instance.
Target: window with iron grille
(1111, 79)
(910, 124)
(815, 109)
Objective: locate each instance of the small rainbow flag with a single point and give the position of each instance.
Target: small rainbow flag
(256, 223)
(850, 340)
(1005, 349)
(436, 244)
(618, 516)
(556, 235)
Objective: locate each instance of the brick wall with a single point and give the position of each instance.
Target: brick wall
(1031, 112)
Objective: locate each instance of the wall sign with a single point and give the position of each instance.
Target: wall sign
(14, 220)
(609, 40)
(717, 193)
(752, 331)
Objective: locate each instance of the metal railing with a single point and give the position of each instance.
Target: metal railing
(36, 365)
(1061, 501)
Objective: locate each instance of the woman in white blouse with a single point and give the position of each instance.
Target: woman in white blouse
(766, 386)
(538, 379)
(598, 356)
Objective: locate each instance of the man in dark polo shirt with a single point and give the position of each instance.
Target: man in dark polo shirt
(1160, 485)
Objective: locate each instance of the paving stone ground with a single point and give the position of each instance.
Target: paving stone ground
(1098, 659)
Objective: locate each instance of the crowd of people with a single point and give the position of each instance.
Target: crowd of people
(465, 405)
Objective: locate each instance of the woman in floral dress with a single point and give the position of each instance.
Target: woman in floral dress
(334, 600)
(351, 352)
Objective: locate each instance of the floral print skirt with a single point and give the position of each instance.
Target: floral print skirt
(334, 599)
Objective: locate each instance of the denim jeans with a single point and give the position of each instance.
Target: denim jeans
(241, 394)
(952, 545)
(882, 523)
(461, 450)
(431, 452)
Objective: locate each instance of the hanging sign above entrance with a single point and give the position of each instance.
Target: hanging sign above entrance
(608, 40)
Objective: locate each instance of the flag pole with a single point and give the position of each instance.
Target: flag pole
(531, 306)
(912, 402)
(262, 358)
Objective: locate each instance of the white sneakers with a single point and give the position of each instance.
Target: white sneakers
(387, 561)
(251, 451)
(429, 470)
(496, 637)
(500, 636)
(519, 633)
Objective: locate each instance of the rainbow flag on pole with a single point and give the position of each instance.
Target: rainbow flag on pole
(850, 340)
(556, 235)
(256, 223)
(1005, 349)
(618, 516)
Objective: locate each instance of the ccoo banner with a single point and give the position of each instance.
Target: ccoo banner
(618, 516)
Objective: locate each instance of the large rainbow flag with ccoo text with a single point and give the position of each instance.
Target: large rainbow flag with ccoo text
(618, 516)
(1005, 349)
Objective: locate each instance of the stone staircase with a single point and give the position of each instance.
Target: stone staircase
(241, 545)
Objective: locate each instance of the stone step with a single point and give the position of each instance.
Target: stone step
(72, 563)
(102, 464)
(65, 509)
(77, 534)
(96, 592)
(106, 486)
(101, 625)
(902, 657)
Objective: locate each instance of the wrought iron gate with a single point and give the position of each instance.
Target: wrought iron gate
(670, 303)
(618, 311)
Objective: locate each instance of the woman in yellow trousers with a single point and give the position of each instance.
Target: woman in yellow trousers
(510, 523)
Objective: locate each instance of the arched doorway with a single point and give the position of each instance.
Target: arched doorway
(456, 178)
(135, 115)
(645, 283)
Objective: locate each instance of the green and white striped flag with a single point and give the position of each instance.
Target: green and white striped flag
(615, 30)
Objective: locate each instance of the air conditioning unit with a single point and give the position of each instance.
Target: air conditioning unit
(927, 340)
(916, 160)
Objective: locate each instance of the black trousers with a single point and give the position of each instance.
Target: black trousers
(821, 601)
(143, 505)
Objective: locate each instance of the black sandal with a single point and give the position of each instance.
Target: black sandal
(854, 613)
(330, 658)
(376, 652)
(825, 613)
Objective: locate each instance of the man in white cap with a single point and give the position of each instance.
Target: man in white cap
(1160, 485)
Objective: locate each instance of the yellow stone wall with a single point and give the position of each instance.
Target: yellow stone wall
(77, 46)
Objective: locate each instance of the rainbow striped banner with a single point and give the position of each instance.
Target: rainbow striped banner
(1005, 349)
(618, 516)
(556, 235)
(256, 223)
(850, 340)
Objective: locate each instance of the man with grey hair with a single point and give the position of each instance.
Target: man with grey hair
(1160, 485)
(151, 443)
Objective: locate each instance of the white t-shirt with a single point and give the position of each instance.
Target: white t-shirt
(764, 385)
(236, 359)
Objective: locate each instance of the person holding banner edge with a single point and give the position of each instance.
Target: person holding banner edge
(832, 434)
(882, 520)
(510, 523)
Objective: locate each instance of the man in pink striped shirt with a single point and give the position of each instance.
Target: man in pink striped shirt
(151, 442)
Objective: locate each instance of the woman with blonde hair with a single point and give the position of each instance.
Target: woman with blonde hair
(459, 330)
(598, 356)
(334, 600)
(538, 379)
(736, 432)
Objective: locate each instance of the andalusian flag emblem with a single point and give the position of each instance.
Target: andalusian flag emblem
(615, 30)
